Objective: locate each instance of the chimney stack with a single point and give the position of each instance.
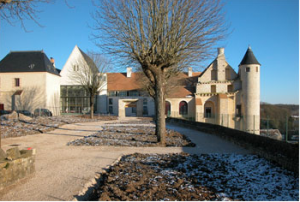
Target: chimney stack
(129, 71)
(52, 61)
(220, 51)
(190, 72)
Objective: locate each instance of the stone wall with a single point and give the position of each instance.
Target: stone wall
(279, 152)
(15, 164)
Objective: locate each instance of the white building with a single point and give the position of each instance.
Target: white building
(218, 95)
(29, 80)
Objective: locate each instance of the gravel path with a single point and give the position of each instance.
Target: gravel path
(63, 171)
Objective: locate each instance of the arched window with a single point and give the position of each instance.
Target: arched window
(183, 108)
(209, 109)
(168, 108)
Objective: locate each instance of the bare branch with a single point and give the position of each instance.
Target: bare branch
(14, 11)
(159, 36)
(89, 72)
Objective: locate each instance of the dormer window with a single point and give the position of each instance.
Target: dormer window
(31, 66)
(76, 68)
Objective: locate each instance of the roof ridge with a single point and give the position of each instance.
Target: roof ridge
(39, 51)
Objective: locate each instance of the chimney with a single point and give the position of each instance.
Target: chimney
(190, 72)
(52, 61)
(129, 70)
(220, 51)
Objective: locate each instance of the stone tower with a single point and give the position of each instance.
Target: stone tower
(249, 70)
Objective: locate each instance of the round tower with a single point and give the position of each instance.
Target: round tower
(249, 69)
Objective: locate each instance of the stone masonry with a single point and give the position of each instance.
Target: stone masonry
(15, 164)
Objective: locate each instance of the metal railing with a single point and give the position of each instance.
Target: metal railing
(286, 130)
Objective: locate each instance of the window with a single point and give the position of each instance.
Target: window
(133, 110)
(76, 68)
(227, 73)
(213, 74)
(247, 69)
(122, 93)
(183, 108)
(167, 108)
(110, 101)
(208, 113)
(209, 109)
(145, 110)
(238, 110)
(17, 82)
(145, 101)
(110, 109)
(256, 68)
(112, 93)
(213, 88)
(230, 88)
(133, 93)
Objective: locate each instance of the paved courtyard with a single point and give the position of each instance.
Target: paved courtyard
(63, 171)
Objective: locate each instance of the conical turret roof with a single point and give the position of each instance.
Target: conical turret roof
(249, 58)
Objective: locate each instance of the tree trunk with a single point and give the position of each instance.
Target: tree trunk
(160, 109)
(92, 106)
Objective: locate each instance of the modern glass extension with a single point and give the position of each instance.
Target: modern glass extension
(75, 99)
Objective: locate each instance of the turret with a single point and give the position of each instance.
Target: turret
(249, 70)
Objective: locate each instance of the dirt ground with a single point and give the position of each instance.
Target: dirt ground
(30, 126)
(184, 177)
(66, 172)
(136, 136)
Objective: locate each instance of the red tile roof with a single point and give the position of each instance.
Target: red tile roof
(181, 85)
(120, 82)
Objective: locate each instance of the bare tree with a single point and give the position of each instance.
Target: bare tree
(19, 10)
(91, 75)
(158, 35)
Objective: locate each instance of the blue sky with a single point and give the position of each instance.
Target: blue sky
(270, 27)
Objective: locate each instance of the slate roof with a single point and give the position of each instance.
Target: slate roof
(27, 61)
(249, 58)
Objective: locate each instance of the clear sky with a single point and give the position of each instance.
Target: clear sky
(270, 27)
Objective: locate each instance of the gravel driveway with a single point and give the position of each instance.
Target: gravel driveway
(63, 171)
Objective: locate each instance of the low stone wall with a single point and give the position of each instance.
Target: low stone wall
(282, 153)
(15, 164)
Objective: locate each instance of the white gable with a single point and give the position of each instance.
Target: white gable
(75, 59)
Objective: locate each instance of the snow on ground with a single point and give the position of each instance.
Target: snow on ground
(16, 127)
(243, 177)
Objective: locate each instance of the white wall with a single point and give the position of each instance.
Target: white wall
(53, 93)
(33, 86)
(66, 73)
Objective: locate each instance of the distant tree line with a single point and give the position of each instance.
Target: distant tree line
(278, 116)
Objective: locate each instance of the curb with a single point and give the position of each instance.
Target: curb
(94, 183)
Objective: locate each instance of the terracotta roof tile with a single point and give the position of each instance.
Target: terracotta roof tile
(120, 82)
(183, 85)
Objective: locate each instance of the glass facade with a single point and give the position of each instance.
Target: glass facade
(74, 99)
(132, 93)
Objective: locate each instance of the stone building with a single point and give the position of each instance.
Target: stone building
(127, 95)
(228, 98)
(218, 95)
